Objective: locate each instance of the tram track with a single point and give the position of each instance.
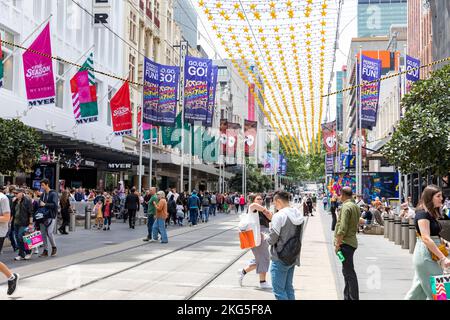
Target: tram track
(92, 282)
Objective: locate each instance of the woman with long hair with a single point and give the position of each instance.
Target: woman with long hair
(261, 263)
(64, 202)
(429, 258)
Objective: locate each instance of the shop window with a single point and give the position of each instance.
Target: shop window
(8, 60)
(132, 67)
(60, 81)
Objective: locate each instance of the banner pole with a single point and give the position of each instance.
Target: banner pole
(183, 49)
(191, 133)
(360, 124)
(356, 124)
(141, 137)
(150, 183)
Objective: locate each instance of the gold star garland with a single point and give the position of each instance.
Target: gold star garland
(322, 67)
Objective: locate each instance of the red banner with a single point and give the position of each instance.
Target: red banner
(250, 129)
(223, 136)
(329, 137)
(121, 111)
(232, 138)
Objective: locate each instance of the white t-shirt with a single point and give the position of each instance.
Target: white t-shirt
(4, 208)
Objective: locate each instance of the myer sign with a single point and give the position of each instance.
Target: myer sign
(119, 166)
(102, 12)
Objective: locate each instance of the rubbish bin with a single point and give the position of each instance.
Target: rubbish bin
(405, 233)
(412, 236)
(391, 227)
(398, 230)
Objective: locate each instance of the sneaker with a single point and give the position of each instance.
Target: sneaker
(19, 258)
(35, 251)
(12, 284)
(27, 257)
(44, 254)
(241, 276)
(146, 239)
(265, 285)
(104, 229)
(109, 229)
(54, 252)
(152, 240)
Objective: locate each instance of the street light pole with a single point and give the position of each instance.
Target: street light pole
(183, 52)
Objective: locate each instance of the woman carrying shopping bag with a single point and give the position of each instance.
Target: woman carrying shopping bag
(261, 252)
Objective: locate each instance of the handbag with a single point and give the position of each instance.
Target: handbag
(42, 214)
(442, 249)
(33, 240)
(247, 239)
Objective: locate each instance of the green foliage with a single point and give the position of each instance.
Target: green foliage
(20, 148)
(256, 181)
(422, 139)
(306, 167)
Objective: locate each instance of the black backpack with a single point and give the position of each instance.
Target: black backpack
(291, 249)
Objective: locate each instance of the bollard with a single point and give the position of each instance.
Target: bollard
(405, 233)
(391, 227)
(398, 230)
(72, 220)
(87, 218)
(386, 225)
(412, 236)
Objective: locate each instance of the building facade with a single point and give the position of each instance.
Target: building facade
(375, 17)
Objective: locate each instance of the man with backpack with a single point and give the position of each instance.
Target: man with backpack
(213, 206)
(49, 206)
(285, 238)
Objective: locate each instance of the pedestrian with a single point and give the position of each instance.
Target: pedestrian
(206, 202)
(132, 203)
(345, 241)
(325, 202)
(333, 208)
(151, 212)
(194, 205)
(242, 202)
(22, 211)
(309, 203)
(49, 202)
(213, 205)
(11, 232)
(237, 201)
(107, 210)
(430, 256)
(180, 212)
(261, 263)
(285, 240)
(161, 216)
(64, 203)
(227, 204)
(79, 195)
(172, 209)
(98, 215)
(146, 200)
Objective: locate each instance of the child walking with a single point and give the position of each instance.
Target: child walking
(98, 215)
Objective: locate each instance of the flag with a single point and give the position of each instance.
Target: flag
(282, 166)
(121, 111)
(329, 163)
(232, 138)
(1, 63)
(412, 75)
(84, 93)
(38, 70)
(329, 136)
(168, 92)
(211, 97)
(196, 90)
(251, 102)
(371, 70)
(147, 130)
(223, 136)
(250, 129)
(151, 91)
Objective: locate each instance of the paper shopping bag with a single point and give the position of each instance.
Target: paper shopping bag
(33, 240)
(440, 287)
(247, 239)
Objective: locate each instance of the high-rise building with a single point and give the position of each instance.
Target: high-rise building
(375, 17)
(186, 17)
(340, 75)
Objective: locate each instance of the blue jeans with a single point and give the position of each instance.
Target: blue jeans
(160, 226)
(282, 278)
(193, 215)
(205, 214)
(19, 233)
(212, 210)
(150, 221)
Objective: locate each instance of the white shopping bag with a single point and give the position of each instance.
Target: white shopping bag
(250, 221)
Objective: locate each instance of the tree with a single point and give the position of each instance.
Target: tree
(256, 181)
(306, 167)
(422, 140)
(20, 147)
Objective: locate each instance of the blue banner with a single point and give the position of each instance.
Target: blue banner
(411, 63)
(212, 97)
(196, 90)
(329, 164)
(282, 167)
(151, 92)
(371, 70)
(168, 91)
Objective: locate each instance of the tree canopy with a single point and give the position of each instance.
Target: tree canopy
(20, 147)
(422, 140)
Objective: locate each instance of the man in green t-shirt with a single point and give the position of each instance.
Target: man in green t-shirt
(151, 211)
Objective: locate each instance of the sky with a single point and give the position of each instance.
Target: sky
(348, 30)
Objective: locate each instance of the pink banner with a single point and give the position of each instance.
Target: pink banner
(251, 103)
(38, 69)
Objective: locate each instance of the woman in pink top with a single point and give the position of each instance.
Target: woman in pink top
(242, 202)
